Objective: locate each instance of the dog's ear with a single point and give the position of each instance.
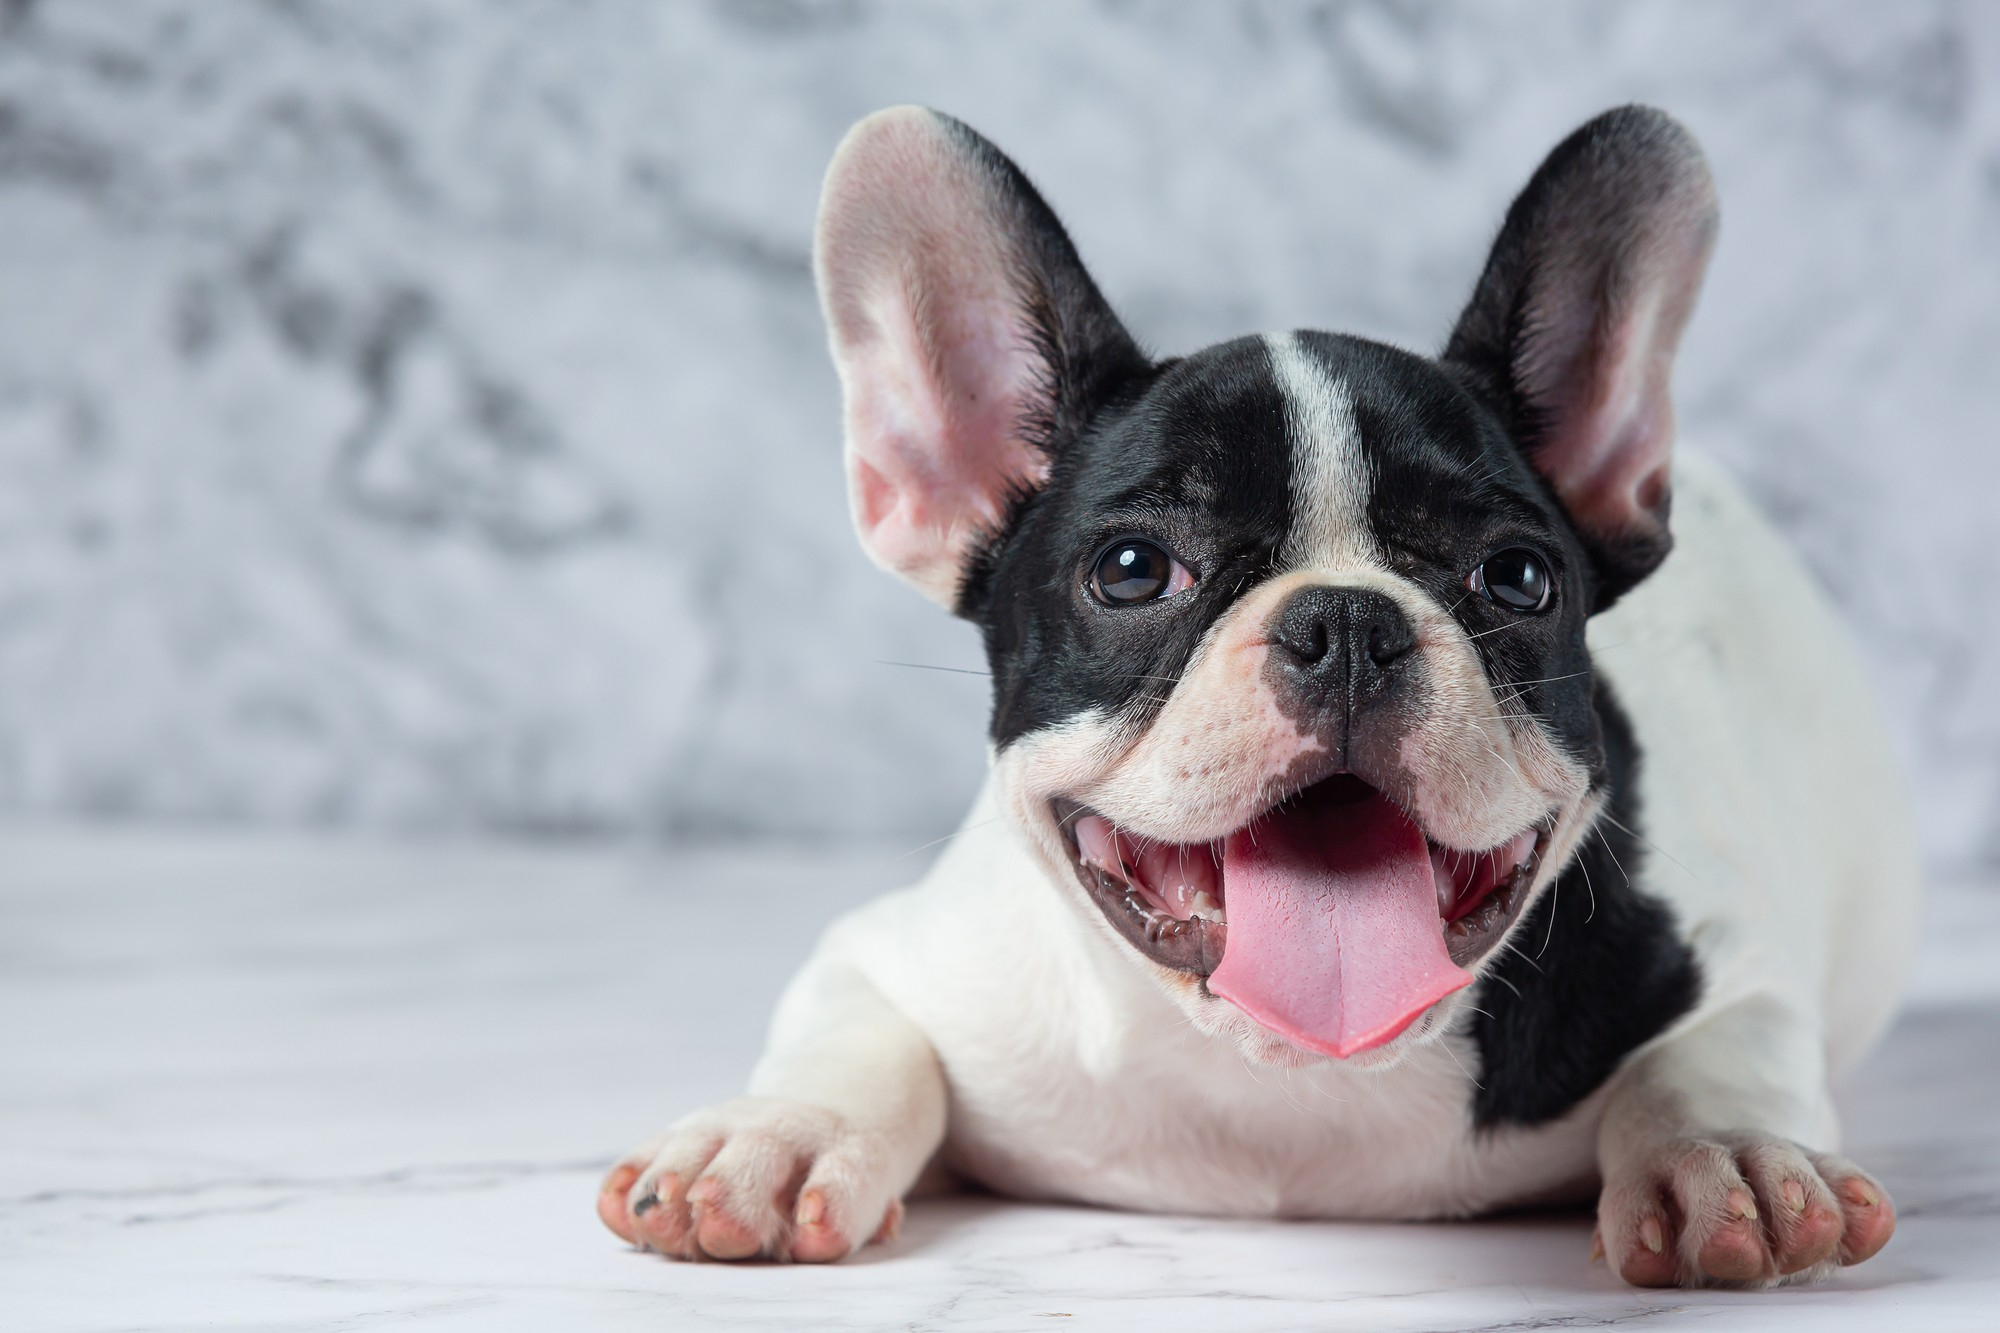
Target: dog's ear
(970, 341)
(1574, 323)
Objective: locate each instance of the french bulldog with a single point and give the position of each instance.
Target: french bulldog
(1392, 814)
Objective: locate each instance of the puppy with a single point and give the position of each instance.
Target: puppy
(1382, 823)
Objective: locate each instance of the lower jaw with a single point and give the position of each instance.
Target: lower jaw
(1195, 945)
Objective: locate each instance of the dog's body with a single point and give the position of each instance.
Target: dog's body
(1072, 1076)
(1290, 657)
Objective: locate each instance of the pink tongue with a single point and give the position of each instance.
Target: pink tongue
(1334, 938)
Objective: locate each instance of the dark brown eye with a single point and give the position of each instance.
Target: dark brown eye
(1516, 579)
(1134, 570)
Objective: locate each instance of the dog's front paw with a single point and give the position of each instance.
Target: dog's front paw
(1733, 1210)
(755, 1178)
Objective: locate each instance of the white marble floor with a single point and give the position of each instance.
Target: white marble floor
(273, 1083)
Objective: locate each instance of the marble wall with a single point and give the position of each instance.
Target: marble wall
(416, 414)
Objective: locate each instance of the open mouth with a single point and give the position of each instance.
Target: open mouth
(1330, 918)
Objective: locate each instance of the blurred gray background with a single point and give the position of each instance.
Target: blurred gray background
(416, 415)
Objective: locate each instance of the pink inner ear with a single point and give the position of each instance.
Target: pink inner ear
(1609, 447)
(933, 344)
(935, 445)
(1602, 373)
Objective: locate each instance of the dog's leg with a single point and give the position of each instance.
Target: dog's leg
(844, 1110)
(1713, 1176)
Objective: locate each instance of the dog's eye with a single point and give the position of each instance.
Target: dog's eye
(1515, 579)
(1133, 569)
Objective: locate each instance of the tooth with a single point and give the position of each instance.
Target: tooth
(1206, 908)
(1442, 879)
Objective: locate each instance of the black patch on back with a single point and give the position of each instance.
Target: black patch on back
(1596, 968)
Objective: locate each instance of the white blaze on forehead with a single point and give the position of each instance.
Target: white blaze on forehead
(1330, 482)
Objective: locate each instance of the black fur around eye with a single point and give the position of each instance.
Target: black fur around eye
(1132, 570)
(1516, 579)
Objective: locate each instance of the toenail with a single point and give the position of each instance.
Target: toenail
(1857, 1191)
(646, 1205)
(1795, 1196)
(1742, 1205)
(1649, 1235)
(812, 1209)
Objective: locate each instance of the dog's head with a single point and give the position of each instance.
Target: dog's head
(1287, 636)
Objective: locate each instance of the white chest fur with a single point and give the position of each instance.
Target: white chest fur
(1070, 1080)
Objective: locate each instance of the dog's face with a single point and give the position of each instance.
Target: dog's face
(1290, 686)
(1299, 584)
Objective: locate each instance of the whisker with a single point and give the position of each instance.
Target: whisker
(1545, 680)
(1512, 624)
(1613, 855)
(1514, 715)
(926, 666)
(947, 837)
(1285, 1086)
(1589, 888)
(1461, 1067)
(1555, 896)
(1515, 949)
(1509, 717)
(1617, 823)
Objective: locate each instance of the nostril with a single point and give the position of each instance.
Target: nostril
(1304, 638)
(1389, 643)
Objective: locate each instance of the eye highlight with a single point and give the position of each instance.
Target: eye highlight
(1133, 570)
(1514, 578)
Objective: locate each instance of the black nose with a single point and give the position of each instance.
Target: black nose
(1343, 646)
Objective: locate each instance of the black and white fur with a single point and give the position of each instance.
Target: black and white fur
(1723, 902)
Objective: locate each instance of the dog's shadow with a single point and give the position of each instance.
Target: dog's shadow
(952, 1220)
(1545, 1249)
(1542, 1250)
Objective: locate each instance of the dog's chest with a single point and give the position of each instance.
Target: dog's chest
(1073, 1076)
(1183, 1125)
